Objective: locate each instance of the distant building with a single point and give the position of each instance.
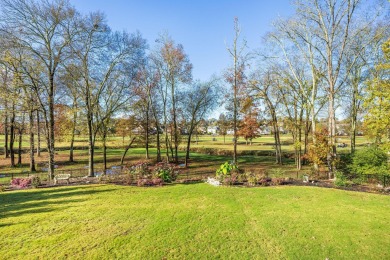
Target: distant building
(212, 130)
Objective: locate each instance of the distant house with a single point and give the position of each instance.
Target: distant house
(265, 130)
(212, 130)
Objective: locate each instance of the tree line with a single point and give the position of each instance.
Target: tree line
(61, 69)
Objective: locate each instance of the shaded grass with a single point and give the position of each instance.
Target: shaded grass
(194, 222)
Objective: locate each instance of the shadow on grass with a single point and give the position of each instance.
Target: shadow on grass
(14, 204)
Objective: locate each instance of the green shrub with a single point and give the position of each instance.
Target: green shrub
(166, 172)
(341, 180)
(343, 162)
(371, 160)
(228, 173)
(2, 188)
(226, 168)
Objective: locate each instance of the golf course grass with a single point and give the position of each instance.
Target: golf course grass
(196, 221)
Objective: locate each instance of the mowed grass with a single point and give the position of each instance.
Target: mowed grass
(265, 142)
(196, 221)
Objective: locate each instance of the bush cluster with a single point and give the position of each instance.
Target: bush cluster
(370, 160)
(21, 182)
(144, 174)
(230, 174)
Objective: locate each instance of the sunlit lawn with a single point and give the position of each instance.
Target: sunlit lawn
(193, 222)
(264, 142)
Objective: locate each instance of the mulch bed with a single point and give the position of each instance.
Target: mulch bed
(330, 184)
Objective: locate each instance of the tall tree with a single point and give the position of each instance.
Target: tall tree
(296, 46)
(5, 84)
(44, 30)
(71, 94)
(197, 102)
(364, 52)
(145, 85)
(107, 62)
(175, 69)
(235, 76)
(377, 120)
(264, 86)
(332, 23)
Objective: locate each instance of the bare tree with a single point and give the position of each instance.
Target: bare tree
(197, 102)
(332, 24)
(264, 86)
(44, 30)
(175, 69)
(235, 76)
(145, 106)
(5, 83)
(107, 63)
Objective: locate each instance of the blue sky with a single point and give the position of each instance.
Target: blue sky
(202, 27)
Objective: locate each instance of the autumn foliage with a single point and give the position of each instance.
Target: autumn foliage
(318, 152)
(249, 128)
(63, 122)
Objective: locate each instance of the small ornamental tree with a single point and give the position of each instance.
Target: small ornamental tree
(318, 152)
(249, 128)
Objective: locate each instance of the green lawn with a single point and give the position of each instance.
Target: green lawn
(196, 221)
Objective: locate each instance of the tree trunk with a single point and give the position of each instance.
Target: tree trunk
(175, 132)
(38, 135)
(12, 137)
(313, 132)
(32, 148)
(307, 131)
(354, 112)
(127, 148)
(158, 144)
(71, 157)
(332, 134)
(91, 145)
(166, 138)
(278, 149)
(20, 132)
(51, 126)
(299, 164)
(147, 134)
(6, 151)
(235, 115)
(171, 147)
(188, 149)
(104, 152)
(278, 157)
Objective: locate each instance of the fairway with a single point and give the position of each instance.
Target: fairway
(196, 221)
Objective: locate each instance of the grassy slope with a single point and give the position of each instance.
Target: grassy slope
(194, 221)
